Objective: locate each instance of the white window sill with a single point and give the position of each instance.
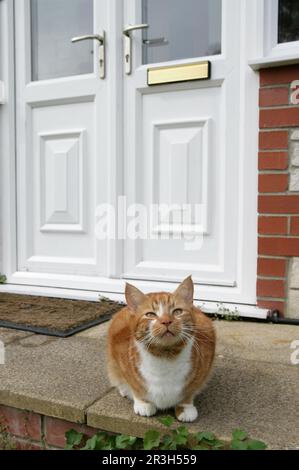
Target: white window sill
(278, 60)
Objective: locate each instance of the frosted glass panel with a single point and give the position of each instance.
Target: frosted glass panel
(53, 24)
(181, 29)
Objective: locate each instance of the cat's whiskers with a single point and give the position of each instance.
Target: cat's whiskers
(196, 343)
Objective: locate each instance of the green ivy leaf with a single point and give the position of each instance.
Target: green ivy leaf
(239, 435)
(123, 441)
(256, 445)
(167, 421)
(151, 439)
(2, 278)
(239, 445)
(93, 443)
(207, 436)
(180, 438)
(168, 443)
(109, 443)
(73, 438)
(183, 431)
(217, 444)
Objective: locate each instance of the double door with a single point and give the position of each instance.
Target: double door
(96, 139)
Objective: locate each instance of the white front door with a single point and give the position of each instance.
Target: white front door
(183, 145)
(62, 136)
(84, 139)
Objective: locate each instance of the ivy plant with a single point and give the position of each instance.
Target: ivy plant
(171, 438)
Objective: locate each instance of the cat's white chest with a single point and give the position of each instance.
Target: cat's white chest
(165, 379)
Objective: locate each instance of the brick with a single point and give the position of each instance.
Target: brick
(270, 288)
(277, 183)
(284, 204)
(274, 96)
(21, 444)
(273, 160)
(294, 226)
(287, 117)
(273, 140)
(271, 267)
(55, 430)
(279, 75)
(272, 305)
(278, 246)
(21, 423)
(272, 225)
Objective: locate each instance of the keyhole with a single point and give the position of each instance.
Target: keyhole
(101, 62)
(127, 58)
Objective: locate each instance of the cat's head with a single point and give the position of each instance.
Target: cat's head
(162, 319)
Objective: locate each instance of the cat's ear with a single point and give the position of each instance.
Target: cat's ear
(185, 290)
(134, 296)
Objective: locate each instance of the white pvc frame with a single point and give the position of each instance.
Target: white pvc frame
(249, 125)
(268, 51)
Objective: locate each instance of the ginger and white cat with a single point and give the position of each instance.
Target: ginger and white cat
(160, 350)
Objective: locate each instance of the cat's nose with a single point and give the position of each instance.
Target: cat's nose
(166, 322)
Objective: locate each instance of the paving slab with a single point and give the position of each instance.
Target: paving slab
(256, 396)
(256, 341)
(9, 335)
(55, 377)
(96, 332)
(254, 386)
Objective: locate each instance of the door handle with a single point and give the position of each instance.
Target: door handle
(101, 39)
(155, 42)
(128, 44)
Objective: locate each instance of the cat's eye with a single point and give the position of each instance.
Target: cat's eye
(150, 314)
(177, 311)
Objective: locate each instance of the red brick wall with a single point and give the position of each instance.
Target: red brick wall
(25, 430)
(278, 224)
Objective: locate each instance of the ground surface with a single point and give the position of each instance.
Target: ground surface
(254, 385)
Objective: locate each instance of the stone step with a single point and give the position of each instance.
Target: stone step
(254, 386)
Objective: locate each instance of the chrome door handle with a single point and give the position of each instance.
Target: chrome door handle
(101, 39)
(132, 27)
(128, 44)
(155, 42)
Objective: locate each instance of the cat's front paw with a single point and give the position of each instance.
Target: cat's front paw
(143, 408)
(186, 413)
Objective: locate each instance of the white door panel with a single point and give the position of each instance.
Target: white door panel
(181, 160)
(63, 147)
(64, 203)
(183, 150)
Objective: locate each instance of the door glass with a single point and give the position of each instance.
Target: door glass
(288, 21)
(53, 24)
(180, 29)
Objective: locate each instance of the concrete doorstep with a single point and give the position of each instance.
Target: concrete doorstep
(254, 386)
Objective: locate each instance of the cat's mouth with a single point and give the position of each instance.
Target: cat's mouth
(168, 334)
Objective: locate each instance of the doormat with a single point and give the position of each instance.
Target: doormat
(52, 316)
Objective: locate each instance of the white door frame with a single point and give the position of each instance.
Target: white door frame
(8, 229)
(251, 11)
